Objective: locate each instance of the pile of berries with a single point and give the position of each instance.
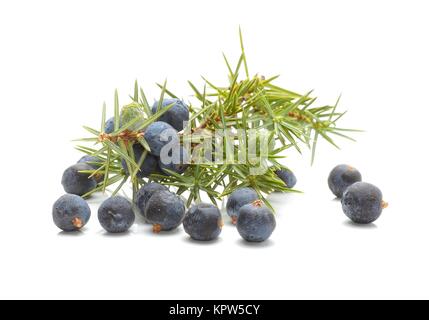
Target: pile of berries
(158, 206)
(166, 211)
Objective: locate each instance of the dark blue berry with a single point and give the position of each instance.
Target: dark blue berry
(148, 166)
(239, 198)
(203, 222)
(94, 163)
(363, 202)
(287, 176)
(165, 211)
(177, 161)
(145, 193)
(341, 177)
(158, 135)
(255, 222)
(70, 212)
(116, 214)
(176, 115)
(77, 182)
(109, 126)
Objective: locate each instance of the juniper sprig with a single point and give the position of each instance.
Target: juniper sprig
(288, 120)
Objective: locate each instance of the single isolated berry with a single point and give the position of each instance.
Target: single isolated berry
(176, 115)
(70, 212)
(116, 214)
(239, 198)
(95, 163)
(109, 126)
(148, 166)
(287, 176)
(165, 211)
(158, 134)
(255, 222)
(363, 202)
(76, 182)
(341, 177)
(132, 112)
(177, 161)
(203, 222)
(145, 193)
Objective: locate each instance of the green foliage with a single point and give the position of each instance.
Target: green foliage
(245, 103)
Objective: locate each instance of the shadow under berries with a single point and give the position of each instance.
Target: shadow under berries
(354, 225)
(199, 242)
(246, 244)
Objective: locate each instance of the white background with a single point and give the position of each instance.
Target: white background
(59, 60)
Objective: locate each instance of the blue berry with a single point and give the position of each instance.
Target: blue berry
(70, 212)
(287, 176)
(341, 177)
(165, 211)
(94, 163)
(203, 222)
(145, 193)
(176, 115)
(239, 198)
(116, 214)
(149, 165)
(130, 113)
(177, 161)
(77, 182)
(109, 126)
(255, 222)
(363, 202)
(158, 134)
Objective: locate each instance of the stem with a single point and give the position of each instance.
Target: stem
(126, 136)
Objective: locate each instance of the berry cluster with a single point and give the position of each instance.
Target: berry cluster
(226, 141)
(157, 205)
(362, 202)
